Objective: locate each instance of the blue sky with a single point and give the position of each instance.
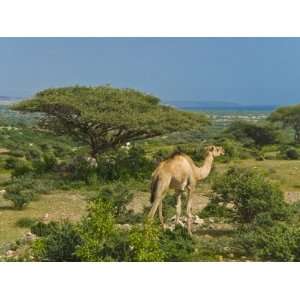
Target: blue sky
(243, 70)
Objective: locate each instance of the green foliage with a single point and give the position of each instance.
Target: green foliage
(124, 164)
(22, 167)
(81, 169)
(26, 222)
(11, 163)
(42, 229)
(288, 117)
(233, 150)
(47, 162)
(251, 193)
(97, 231)
(119, 197)
(58, 243)
(20, 191)
(145, 243)
(106, 118)
(23, 189)
(253, 134)
(279, 242)
(177, 245)
(214, 209)
(288, 152)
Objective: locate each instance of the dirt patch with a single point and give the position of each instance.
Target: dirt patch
(141, 201)
(292, 197)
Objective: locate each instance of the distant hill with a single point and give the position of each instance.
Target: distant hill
(5, 98)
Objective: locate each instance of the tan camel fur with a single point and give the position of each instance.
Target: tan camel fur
(181, 174)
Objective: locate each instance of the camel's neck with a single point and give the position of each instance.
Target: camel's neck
(205, 169)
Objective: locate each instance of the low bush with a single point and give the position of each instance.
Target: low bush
(23, 189)
(58, 243)
(11, 163)
(145, 243)
(252, 194)
(177, 245)
(97, 231)
(214, 209)
(22, 167)
(26, 222)
(279, 242)
(20, 191)
(119, 197)
(289, 153)
(125, 164)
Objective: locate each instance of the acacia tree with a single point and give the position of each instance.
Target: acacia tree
(106, 118)
(288, 117)
(252, 133)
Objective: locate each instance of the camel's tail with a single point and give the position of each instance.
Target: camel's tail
(153, 188)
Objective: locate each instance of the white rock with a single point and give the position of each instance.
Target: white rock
(230, 205)
(198, 221)
(10, 253)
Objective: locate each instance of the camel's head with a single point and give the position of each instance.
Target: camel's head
(216, 151)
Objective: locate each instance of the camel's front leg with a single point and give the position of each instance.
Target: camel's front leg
(178, 206)
(189, 210)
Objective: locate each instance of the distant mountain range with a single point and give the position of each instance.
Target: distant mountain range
(5, 98)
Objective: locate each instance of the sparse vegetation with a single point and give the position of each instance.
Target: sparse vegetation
(60, 204)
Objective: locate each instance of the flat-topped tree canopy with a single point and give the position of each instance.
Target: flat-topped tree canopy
(107, 117)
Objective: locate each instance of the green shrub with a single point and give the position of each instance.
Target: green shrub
(279, 242)
(26, 222)
(20, 191)
(119, 197)
(124, 164)
(42, 229)
(33, 152)
(45, 163)
(11, 163)
(97, 231)
(177, 245)
(213, 209)
(80, 169)
(232, 149)
(145, 243)
(252, 194)
(17, 153)
(23, 189)
(59, 243)
(290, 153)
(22, 167)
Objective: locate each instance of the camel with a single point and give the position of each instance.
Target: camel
(180, 173)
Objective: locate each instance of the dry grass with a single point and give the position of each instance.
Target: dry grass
(286, 173)
(58, 205)
(71, 204)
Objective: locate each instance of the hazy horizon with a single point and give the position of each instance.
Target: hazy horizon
(247, 71)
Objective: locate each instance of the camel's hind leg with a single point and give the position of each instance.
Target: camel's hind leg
(161, 217)
(154, 207)
(178, 206)
(189, 210)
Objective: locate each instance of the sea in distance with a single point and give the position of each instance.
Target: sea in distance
(222, 114)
